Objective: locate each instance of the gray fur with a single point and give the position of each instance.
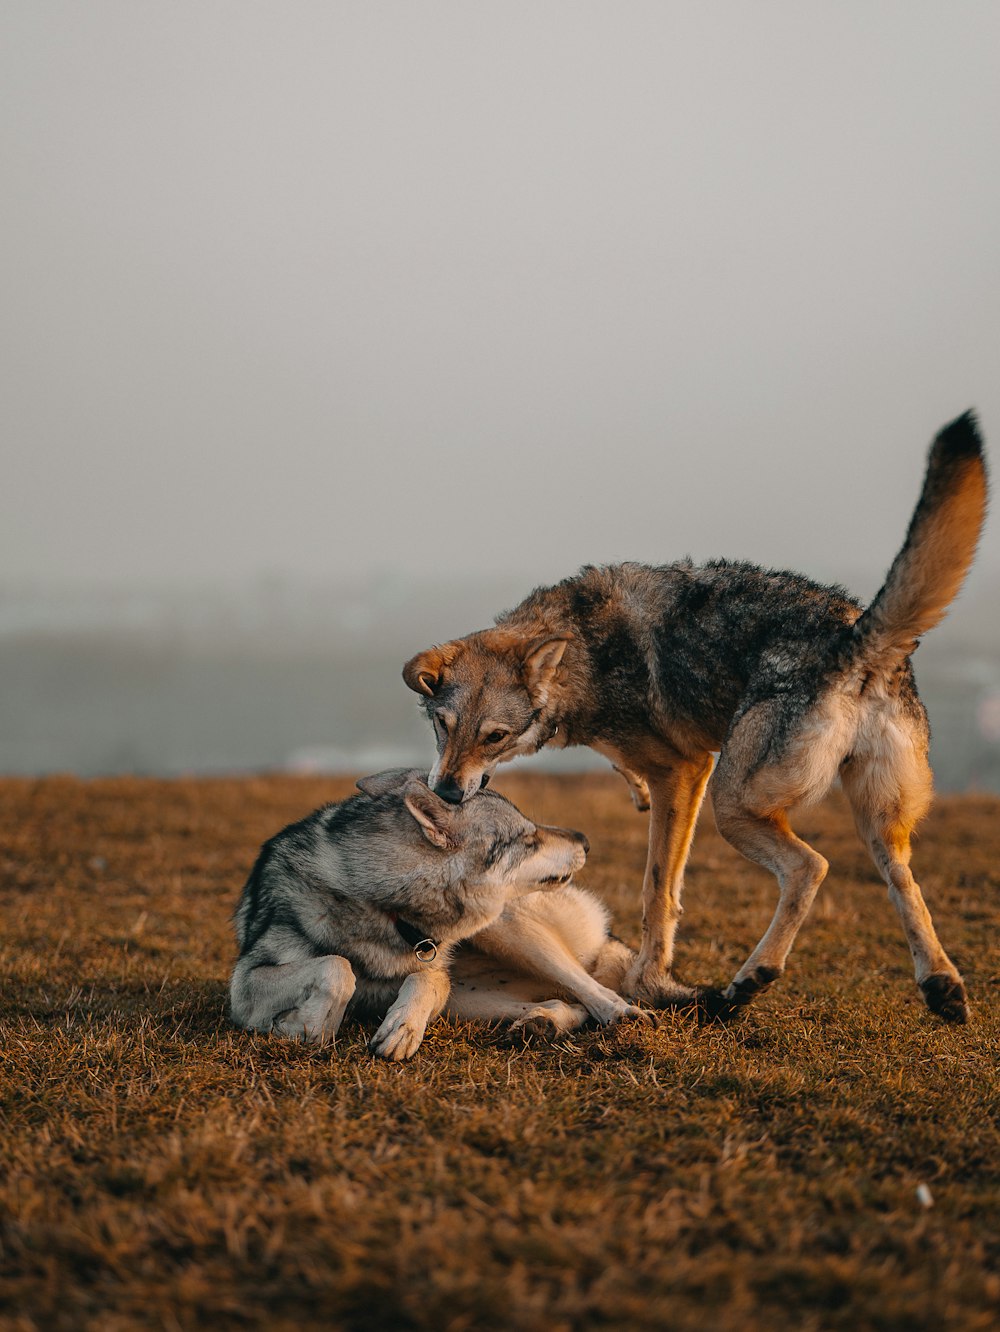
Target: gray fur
(790, 682)
(316, 921)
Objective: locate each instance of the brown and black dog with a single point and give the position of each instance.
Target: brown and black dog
(792, 683)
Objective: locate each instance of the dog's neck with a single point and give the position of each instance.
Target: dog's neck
(571, 711)
(565, 709)
(425, 949)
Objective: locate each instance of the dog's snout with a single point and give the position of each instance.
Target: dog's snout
(448, 789)
(580, 839)
(573, 836)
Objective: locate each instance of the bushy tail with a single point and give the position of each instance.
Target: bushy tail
(939, 547)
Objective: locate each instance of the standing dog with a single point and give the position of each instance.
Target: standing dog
(357, 909)
(792, 683)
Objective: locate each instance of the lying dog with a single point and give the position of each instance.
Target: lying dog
(357, 909)
(793, 683)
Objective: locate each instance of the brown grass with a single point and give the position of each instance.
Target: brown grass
(160, 1170)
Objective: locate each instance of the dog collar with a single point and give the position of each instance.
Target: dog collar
(424, 949)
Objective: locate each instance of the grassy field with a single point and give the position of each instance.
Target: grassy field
(161, 1170)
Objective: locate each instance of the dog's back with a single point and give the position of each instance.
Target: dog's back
(791, 682)
(312, 893)
(294, 874)
(679, 645)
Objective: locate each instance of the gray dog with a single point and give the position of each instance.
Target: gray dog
(358, 908)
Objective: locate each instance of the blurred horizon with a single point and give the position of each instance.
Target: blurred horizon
(285, 674)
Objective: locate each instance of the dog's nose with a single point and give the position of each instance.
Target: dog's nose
(574, 836)
(580, 839)
(448, 789)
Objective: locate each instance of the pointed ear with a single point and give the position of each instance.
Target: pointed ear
(383, 783)
(432, 813)
(540, 664)
(424, 672)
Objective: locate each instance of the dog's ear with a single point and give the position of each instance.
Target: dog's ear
(384, 783)
(434, 815)
(539, 666)
(424, 672)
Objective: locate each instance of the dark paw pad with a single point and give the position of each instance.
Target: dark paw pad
(765, 975)
(742, 991)
(714, 1006)
(946, 996)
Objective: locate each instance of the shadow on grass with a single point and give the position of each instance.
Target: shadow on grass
(186, 1008)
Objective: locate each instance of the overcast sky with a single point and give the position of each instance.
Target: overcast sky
(453, 289)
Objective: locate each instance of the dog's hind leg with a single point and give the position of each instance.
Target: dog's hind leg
(751, 800)
(488, 1002)
(611, 964)
(675, 796)
(769, 840)
(557, 936)
(888, 799)
(305, 1000)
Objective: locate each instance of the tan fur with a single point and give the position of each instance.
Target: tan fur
(544, 944)
(933, 568)
(623, 659)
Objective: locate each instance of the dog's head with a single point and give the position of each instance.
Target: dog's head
(489, 698)
(487, 839)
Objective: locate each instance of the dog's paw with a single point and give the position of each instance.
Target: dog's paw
(642, 1016)
(946, 996)
(748, 987)
(398, 1038)
(714, 1005)
(628, 1013)
(638, 788)
(539, 1027)
(308, 1023)
(546, 1022)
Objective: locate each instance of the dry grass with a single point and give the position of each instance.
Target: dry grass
(161, 1170)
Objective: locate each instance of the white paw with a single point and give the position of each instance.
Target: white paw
(398, 1037)
(630, 1013)
(548, 1020)
(622, 1011)
(308, 1023)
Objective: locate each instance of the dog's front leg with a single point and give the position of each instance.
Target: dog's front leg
(675, 796)
(638, 787)
(304, 1000)
(421, 997)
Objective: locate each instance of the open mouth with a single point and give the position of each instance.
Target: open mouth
(557, 878)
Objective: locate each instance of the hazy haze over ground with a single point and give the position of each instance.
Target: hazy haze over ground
(447, 291)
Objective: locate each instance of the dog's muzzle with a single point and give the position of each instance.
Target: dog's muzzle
(448, 789)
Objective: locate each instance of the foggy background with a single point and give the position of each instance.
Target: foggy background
(330, 329)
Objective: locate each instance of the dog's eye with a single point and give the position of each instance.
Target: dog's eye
(496, 737)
